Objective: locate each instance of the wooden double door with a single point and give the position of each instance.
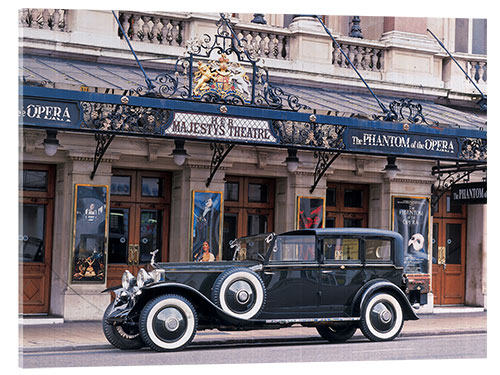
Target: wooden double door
(138, 221)
(448, 253)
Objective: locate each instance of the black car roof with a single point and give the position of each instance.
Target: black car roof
(343, 231)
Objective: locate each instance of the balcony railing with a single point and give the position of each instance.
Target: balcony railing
(155, 29)
(362, 56)
(49, 19)
(271, 44)
(477, 70)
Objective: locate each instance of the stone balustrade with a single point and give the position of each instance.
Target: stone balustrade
(48, 19)
(265, 43)
(363, 57)
(477, 70)
(153, 28)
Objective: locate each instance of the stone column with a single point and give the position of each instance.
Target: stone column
(476, 254)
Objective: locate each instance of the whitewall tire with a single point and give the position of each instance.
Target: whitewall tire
(168, 323)
(240, 292)
(381, 317)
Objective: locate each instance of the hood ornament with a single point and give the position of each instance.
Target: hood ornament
(153, 254)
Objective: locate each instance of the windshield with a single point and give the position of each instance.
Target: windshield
(252, 247)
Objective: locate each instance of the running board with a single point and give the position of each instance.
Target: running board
(310, 320)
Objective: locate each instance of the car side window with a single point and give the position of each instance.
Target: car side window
(341, 248)
(378, 249)
(294, 248)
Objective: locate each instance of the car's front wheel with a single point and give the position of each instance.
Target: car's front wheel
(339, 333)
(168, 323)
(125, 337)
(381, 317)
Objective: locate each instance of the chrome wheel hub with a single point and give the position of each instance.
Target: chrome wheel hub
(171, 324)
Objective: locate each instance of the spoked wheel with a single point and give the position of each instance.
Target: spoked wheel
(125, 337)
(381, 317)
(338, 333)
(168, 323)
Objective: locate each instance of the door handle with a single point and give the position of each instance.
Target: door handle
(441, 255)
(326, 271)
(342, 267)
(136, 258)
(130, 254)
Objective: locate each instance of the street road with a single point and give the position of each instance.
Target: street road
(358, 349)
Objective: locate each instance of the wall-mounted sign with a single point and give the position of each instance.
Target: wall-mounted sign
(411, 218)
(310, 212)
(206, 225)
(220, 127)
(48, 113)
(90, 228)
(377, 141)
(471, 193)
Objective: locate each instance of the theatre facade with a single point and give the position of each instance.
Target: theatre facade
(171, 134)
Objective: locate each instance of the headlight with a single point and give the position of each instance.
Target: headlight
(128, 280)
(143, 278)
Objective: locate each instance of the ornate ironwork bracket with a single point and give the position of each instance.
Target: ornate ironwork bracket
(449, 175)
(221, 150)
(325, 159)
(103, 142)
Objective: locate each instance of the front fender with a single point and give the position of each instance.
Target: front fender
(193, 295)
(383, 285)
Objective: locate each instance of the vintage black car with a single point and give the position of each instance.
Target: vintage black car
(337, 280)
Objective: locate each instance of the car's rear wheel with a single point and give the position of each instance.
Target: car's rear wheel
(168, 323)
(381, 317)
(240, 292)
(125, 337)
(337, 333)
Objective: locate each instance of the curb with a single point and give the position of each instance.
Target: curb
(241, 341)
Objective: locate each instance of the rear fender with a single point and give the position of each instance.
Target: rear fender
(383, 286)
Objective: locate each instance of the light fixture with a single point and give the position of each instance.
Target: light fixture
(179, 152)
(51, 143)
(391, 169)
(292, 161)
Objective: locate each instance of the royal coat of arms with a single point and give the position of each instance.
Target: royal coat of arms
(222, 78)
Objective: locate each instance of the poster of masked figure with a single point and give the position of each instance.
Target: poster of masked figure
(410, 218)
(206, 225)
(310, 212)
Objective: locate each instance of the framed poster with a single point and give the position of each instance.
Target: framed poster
(206, 226)
(90, 228)
(411, 219)
(310, 212)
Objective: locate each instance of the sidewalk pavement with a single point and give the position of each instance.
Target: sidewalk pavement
(69, 336)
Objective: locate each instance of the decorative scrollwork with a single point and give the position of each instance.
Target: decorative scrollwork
(405, 109)
(216, 70)
(124, 118)
(473, 149)
(220, 150)
(310, 134)
(325, 159)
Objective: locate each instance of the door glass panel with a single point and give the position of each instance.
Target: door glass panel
(231, 191)
(435, 237)
(31, 232)
(258, 193)
(150, 239)
(330, 222)
(453, 243)
(230, 232)
(256, 224)
(118, 235)
(353, 223)
(353, 198)
(120, 185)
(453, 207)
(152, 187)
(331, 199)
(33, 180)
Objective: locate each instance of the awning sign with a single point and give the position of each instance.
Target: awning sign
(49, 113)
(220, 127)
(399, 143)
(471, 193)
